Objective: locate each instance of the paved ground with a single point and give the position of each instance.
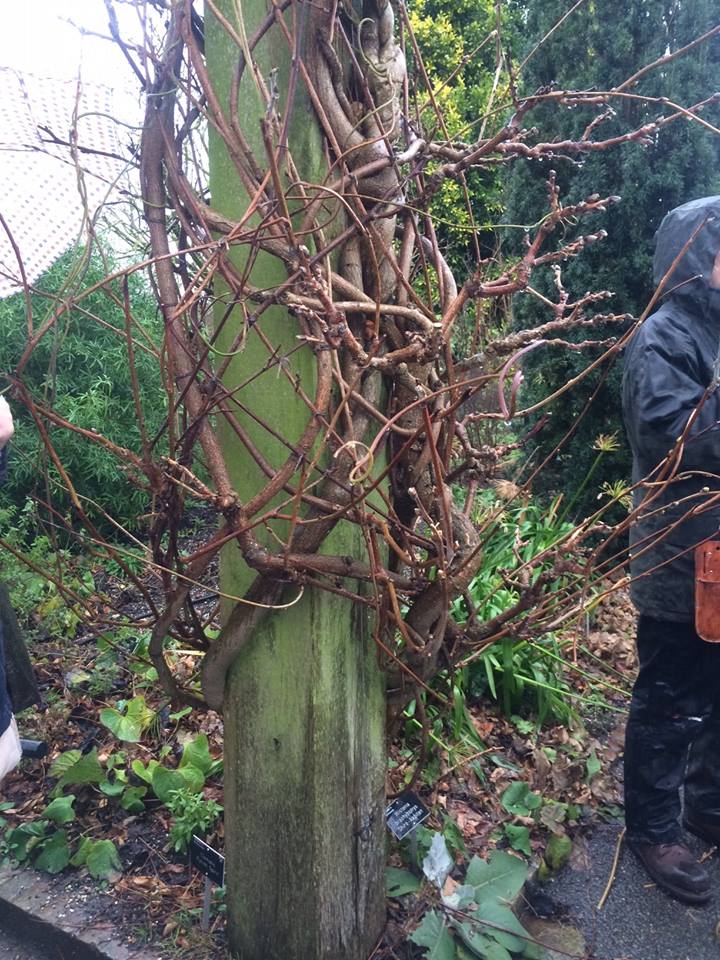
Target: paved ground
(11, 949)
(638, 922)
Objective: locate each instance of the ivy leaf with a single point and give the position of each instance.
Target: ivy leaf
(21, 840)
(398, 882)
(103, 861)
(84, 770)
(60, 810)
(197, 754)
(519, 838)
(116, 762)
(79, 858)
(144, 772)
(194, 778)
(433, 934)
(54, 853)
(499, 878)
(100, 857)
(128, 726)
(165, 782)
(132, 799)
(519, 799)
(63, 763)
(112, 789)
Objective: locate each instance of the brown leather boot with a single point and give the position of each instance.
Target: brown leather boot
(705, 829)
(675, 870)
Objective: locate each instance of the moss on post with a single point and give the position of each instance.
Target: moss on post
(304, 705)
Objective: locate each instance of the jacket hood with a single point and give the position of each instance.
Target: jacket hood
(694, 269)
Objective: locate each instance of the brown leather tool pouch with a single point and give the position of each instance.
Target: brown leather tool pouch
(707, 591)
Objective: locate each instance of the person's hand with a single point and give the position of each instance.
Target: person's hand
(714, 280)
(7, 427)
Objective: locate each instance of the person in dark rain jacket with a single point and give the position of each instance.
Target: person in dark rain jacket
(671, 407)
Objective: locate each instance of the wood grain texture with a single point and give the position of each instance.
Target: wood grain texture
(305, 705)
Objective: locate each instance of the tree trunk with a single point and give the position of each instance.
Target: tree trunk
(304, 704)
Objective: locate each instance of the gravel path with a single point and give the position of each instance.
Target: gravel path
(638, 921)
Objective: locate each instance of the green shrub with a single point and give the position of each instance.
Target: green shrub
(36, 598)
(81, 369)
(193, 814)
(591, 50)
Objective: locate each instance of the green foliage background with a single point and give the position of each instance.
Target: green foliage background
(596, 50)
(82, 368)
(459, 57)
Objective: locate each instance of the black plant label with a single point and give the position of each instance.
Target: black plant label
(207, 861)
(405, 813)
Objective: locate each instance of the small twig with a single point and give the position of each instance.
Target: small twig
(613, 870)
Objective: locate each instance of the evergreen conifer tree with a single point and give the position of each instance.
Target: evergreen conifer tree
(599, 46)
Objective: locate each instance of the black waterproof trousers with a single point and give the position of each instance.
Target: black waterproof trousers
(673, 731)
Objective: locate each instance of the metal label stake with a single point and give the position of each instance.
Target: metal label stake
(207, 900)
(212, 865)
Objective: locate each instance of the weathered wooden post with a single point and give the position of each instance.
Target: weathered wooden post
(304, 704)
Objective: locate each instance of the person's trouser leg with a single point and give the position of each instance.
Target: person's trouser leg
(671, 704)
(702, 779)
(5, 705)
